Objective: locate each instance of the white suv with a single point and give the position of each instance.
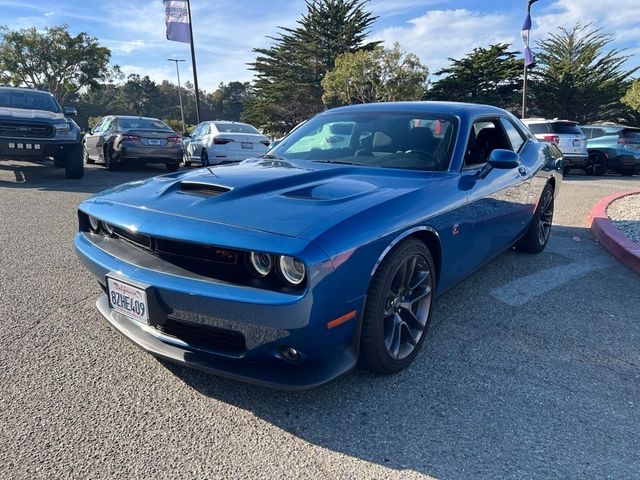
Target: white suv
(566, 135)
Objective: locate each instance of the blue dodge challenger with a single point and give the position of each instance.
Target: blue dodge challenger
(289, 269)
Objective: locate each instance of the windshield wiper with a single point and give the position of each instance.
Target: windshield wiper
(341, 162)
(271, 156)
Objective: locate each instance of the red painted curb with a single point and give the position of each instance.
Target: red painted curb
(625, 250)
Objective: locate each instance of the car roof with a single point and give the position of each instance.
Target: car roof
(547, 120)
(23, 89)
(443, 108)
(135, 117)
(610, 126)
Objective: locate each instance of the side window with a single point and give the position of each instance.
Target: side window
(98, 127)
(486, 135)
(515, 137)
(196, 132)
(107, 125)
(598, 132)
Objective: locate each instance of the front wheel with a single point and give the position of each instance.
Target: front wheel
(85, 155)
(109, 162)
(539, 231)
(204, 158)
(398, 308)
(598, 165)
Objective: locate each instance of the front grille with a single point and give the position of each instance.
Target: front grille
(26, 130)
(205, 337)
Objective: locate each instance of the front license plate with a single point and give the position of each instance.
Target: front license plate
(128, 300)
(154, 141)
(246, 145)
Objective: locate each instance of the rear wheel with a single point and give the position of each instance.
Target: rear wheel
(398, 308)
(539, 231)
(598, 164)
(109, 162)
(204, 157)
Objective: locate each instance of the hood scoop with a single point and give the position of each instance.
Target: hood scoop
(203, 189)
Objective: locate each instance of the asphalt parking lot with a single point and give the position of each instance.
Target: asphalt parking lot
(531, 370)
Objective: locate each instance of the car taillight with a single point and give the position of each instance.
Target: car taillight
(221, 141)
(174, 139)
(131, 138)
(552, 138)
(266, 143)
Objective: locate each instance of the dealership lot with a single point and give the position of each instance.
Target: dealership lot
(531, 369)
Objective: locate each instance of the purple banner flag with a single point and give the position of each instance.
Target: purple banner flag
(176, 16)
(526, 30)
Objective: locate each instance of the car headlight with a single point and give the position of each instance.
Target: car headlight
(94, 223)
(262, 263)
(107, 228)
(62, 127)
(292, 270)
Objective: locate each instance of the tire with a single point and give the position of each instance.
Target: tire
(172, 167)
(85, 155)
(109, 162)
(537, 236)
(598, 166)
(74, 163)
(204, 158)
(393, 326)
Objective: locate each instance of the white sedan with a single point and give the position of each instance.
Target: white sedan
(216, 142)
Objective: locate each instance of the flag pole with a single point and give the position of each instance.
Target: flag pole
(526, 59)
(193, 62)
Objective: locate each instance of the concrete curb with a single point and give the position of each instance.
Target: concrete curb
(625, 250)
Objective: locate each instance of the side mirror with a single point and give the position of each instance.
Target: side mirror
(504, 159)
(69, 112)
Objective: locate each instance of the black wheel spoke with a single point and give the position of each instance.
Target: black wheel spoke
(393, 340)
(417, 295)
(409, 271)
(419, 279)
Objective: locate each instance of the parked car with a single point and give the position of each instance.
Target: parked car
(287, 270)
(34, 127)
(613, 148)
(120, 139)
(217, 142)
(567, 136)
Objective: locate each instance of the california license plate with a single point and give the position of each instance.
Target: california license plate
(128, 300)
(154, 141)
(246, 145)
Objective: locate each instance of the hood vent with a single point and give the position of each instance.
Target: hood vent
(204, 189)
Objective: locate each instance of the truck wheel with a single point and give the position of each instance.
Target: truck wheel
(74, 163)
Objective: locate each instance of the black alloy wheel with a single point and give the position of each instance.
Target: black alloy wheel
(539, 231)
(204, 158)
(398, 308)
(109, 162)
(598, 165)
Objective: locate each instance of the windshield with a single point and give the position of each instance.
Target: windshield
(235, 128)
(28, 100)
(415, 141)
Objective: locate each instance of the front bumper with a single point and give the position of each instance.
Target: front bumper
(267, 321)
(33, 148)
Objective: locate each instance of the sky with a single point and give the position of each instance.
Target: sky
(226, 31)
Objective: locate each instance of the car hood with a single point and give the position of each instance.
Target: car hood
(285, 198)
(28, 114)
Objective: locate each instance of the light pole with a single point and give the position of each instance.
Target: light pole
(528, 56)
(176, 60)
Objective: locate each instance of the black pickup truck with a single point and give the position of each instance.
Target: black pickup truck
(34, 127)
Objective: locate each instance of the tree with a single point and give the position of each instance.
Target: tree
(577, 78)
(53, 60)
(287, 87)
(632, 97)
(491, 75)
(228, 101)
(378, 75)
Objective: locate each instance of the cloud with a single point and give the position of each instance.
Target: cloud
(440, 34)
(387, 8)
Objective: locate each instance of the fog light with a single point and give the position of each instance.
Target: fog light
(289, 353)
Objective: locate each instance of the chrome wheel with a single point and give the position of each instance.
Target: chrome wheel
(546, 217)
(407, 306)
